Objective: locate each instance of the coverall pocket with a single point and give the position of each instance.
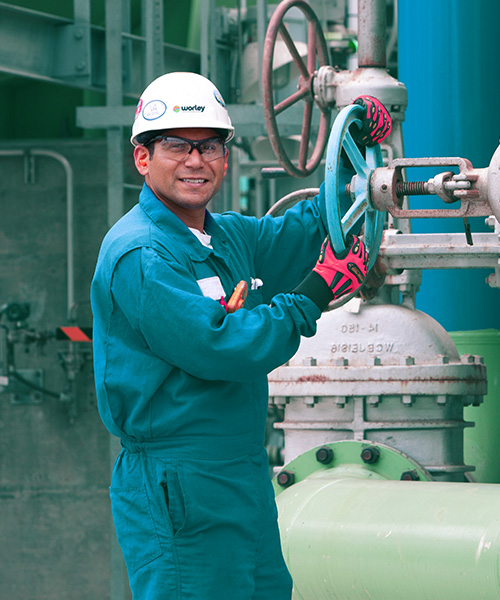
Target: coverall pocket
(135, 528)
(175, 505)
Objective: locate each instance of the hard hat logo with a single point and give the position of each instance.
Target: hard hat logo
(192, 100)
(191, 108)
(219, 98)
(154, 110)
(138, 109)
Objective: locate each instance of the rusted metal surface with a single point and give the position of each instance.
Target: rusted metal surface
(452, 379)
(311, 378)
(317, 52)
(372, 33)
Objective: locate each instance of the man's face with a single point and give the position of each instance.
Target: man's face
(185, 187)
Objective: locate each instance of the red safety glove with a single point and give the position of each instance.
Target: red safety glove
(376, 123)
(333, 277)
(343, 275)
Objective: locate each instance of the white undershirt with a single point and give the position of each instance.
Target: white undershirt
(204, 238)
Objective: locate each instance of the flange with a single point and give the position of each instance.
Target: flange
(350, 458)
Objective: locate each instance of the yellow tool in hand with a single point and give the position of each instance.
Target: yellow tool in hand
(238, 297)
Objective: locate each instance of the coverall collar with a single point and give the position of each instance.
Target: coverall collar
(170, 223)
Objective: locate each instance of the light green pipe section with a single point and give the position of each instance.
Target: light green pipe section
(368, 539)
(480, 442)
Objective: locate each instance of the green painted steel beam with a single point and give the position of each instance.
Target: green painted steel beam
(115, 21)
(82, 10)
(46, 47)
(102, 117)
(194, 26)
(351, 532)
(152, 20)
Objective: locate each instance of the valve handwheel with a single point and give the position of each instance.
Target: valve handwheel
(317, 50)
(338, 226)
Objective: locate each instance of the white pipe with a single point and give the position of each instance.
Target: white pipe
(69, 215)
(352, 25)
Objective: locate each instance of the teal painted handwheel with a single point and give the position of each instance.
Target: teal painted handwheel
(339, 226)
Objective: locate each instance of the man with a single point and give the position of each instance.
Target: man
(181, 373)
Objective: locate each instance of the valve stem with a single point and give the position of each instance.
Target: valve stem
(412, 188)
(404, 188)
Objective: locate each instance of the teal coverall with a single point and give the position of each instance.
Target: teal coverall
(184, 385)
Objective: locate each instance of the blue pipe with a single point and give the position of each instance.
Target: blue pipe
(446, 54)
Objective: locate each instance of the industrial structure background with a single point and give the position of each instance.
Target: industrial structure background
(398, 387)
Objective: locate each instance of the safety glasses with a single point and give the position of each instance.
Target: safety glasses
(178, 148)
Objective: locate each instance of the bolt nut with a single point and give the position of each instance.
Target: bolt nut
(309, 362)
(340, 401)
(324, 455)
(409, 476)
(280, 400)
(286, 478)
(370, 455)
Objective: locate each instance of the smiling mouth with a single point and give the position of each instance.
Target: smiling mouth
(193, 180)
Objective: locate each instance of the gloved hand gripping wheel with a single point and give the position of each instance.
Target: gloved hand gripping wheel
(338, 226)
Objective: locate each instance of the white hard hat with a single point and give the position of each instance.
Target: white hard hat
(179, 100)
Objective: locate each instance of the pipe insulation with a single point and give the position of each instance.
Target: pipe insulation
(350, 538)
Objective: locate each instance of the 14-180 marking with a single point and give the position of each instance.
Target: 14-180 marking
(356, 328)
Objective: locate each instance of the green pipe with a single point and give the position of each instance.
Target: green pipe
(480, 442)
(349, 538)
